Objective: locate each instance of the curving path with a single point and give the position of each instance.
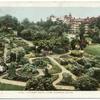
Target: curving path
(61, 87)
(49, 66)
(28, 42)
(40, 72)
(62, 68)
(55, 83)
(31, 59)
(19, 83)
(12, 82)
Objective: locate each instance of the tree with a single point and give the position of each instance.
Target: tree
(20, 28)
(74, 42)
(96, 36)
(98, 22)
(19, 52)
(86, 83)
(12, 70)
(26, 23)
(40, 35)
(12, 57)
(95, 27)
(27, 34)
(58, 27)
(8, 21)
(46, 72)
(81, 35)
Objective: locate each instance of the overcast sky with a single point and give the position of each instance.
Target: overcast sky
(36, 13)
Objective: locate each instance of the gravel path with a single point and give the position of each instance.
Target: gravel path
(28, 42)
(55, 83)
(12, 82)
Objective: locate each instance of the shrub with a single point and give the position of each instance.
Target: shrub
(66, 61)
(86, 83)
(67, 79)
(24, 61)
(21, 78)
(85, 62)
(76, 53)
(75, 69)
(40, 83)
(58, 50)
(97, 74)
(26, 72)
(94, 72)
(40, 63)
(63, 61)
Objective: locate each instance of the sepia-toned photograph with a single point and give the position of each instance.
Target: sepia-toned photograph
(49, 48)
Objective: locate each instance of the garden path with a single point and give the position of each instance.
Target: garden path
(55, 83)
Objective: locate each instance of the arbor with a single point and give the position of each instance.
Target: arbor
(86, 83)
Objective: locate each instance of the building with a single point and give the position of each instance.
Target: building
(75, 25)
(73, 22)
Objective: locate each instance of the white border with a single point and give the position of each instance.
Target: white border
(48, 3)
(49, 94)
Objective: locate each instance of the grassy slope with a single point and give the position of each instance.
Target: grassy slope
(93, 49)
(10, 87)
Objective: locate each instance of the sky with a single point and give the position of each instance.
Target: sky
(37, 13)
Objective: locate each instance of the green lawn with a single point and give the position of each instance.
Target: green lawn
(10, 87)
(93, 49)
(55, 69)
